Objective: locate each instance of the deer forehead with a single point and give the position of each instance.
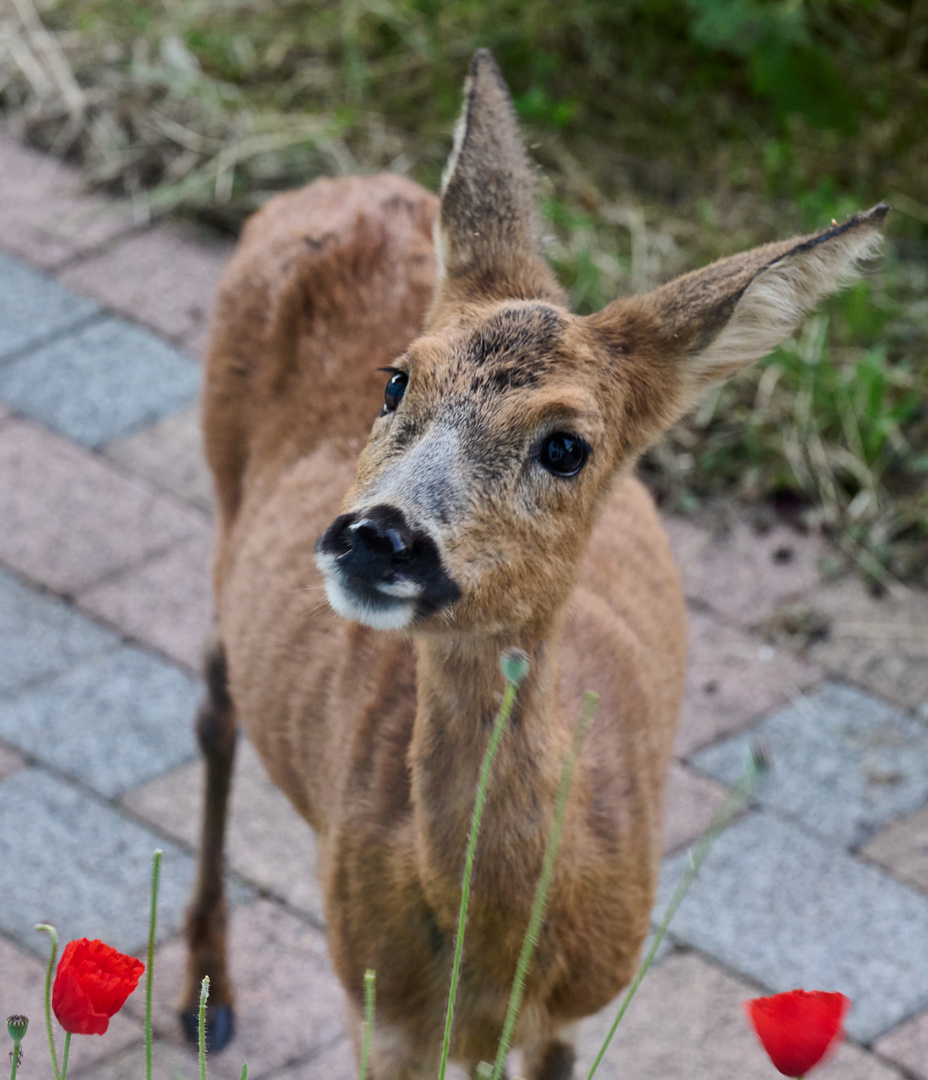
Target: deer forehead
(514, 367)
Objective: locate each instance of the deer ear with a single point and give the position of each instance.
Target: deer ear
(701, 328)
(487, 233)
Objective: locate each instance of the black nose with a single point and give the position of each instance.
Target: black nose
(378, 547)
(373, 546)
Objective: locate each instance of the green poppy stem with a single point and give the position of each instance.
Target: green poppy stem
(53, 934)
(64, 1055)
(204, 994)
(150, 974)
(368, 1029)
(515, 669)
(15, 1067)
(244, 1075)
(530, 940)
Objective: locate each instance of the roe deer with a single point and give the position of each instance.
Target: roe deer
(491, 504)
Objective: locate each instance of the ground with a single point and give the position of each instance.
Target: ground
(104, 602)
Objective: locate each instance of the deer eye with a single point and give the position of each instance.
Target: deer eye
(393, 393)
(563, 454)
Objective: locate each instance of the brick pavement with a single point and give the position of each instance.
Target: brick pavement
(104, 599)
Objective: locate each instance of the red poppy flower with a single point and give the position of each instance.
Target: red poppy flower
(91, 985)
(797, 1028)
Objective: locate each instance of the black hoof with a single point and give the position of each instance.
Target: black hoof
(220, 1027)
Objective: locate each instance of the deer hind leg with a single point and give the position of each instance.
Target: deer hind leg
(206, 917)
(551, 1057)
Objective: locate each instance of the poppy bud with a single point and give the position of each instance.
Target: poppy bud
(515, 664)
(16, 1025)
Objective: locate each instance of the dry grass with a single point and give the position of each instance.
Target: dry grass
(658, 153)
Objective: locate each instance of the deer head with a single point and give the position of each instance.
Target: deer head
(505, 424)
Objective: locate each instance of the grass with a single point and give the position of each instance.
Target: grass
(669, 132)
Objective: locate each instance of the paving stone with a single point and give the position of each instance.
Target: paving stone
(22, 990)
(165, 277)
(786, 908)
(744, 573)
(268, 842)
(903, 849)
(908, 1046)
(84, 868)
(68, 520)
(336, 1063)
(691, 802)
(288, 1001)
(879, 643)
(168, 1063)
(33, 308)
(686, 1020)
(845, 763)
(111, 722)
(169, 452)
(10, 762)
(101, 381)
(731, 679)
(41, 635)
(45, 215)
(166, 602)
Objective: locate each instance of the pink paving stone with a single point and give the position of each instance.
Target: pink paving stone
(907, 1046)
(10, 762)
(691, 801)
(165, 277)
(686, 1021)
(733, 678)
(288, 1000)
(743, 573)
(22, 990)
(168, 1063)
(268, 842)
(336, 1063)
(170, 453)
(166, 602)
(903, 849)
(68, 520)
(45, 215)
(880, 643)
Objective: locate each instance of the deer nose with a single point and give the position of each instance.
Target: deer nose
(372, 546)
(378, 538)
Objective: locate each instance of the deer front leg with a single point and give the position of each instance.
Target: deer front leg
(206, 917)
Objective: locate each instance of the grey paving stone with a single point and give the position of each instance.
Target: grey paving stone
(73, 861)
(788, 909)
(33, 307)
(41, 635)
(687, 1022)
(845, 763)
(104, 380)
(267, 841)
(111, 723)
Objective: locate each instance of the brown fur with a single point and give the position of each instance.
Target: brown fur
(377, 737)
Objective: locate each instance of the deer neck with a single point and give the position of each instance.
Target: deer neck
(459, 694)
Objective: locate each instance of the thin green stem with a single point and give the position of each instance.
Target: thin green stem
(150, 975)
(530, 940)
(368, 1029)
(204, 994)
(499, 726)
(53, 934)
(735, 800)
(64, 1055)
(15, 1057)
(244, 1075)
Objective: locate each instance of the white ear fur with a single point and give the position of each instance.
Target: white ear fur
(771, 307)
